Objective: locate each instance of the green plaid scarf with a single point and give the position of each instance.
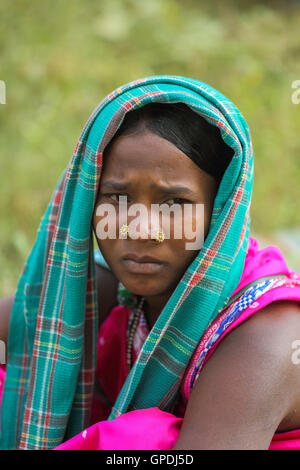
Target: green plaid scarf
(53, 330)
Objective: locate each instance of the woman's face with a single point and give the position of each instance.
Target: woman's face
(149, 168)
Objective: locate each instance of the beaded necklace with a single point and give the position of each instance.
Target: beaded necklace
(132, 329)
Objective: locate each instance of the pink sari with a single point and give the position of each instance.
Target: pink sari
(161, 428)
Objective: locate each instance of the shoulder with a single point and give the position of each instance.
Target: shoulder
(268, 335)
(266, 340)
(270, 329)
(249, 385)
(264, 345)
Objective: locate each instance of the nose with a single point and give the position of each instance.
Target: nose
(144, 226)
(144, 229)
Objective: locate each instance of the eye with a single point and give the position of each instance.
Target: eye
(178, 200)
(107, 196)
(113, 196)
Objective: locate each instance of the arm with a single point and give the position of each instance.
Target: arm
(5, 311)
(249, 387)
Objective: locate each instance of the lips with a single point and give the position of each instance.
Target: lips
(141, 259)
(142, 264)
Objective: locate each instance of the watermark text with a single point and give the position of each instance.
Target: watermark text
(178, 221)
(2, 352)
(296, 95)
(296, 353)
(2, 92)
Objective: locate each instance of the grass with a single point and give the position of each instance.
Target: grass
(59, 59)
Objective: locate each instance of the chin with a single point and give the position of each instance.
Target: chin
(143, 289)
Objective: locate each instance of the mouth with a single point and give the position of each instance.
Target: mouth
(142, 265)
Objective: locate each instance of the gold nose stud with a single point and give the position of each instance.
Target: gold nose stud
(160, 236)
(124, 230)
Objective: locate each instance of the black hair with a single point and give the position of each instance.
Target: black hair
(186, 129)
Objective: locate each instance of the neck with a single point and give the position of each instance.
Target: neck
(153, 306)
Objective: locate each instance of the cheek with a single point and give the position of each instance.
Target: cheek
(182, 258)
(195, 221)
(106, 223)
(101, 224)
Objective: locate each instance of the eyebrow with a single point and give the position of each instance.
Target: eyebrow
(164, 189)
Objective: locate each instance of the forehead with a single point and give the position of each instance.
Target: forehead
(145, 152)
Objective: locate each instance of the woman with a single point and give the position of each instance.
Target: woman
(152, 385)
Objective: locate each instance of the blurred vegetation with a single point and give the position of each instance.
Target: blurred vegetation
(60, 58)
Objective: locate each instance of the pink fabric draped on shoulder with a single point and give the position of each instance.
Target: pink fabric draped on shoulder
(152, 428)
(258, 264)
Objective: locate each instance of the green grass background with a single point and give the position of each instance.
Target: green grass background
(59, 58)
